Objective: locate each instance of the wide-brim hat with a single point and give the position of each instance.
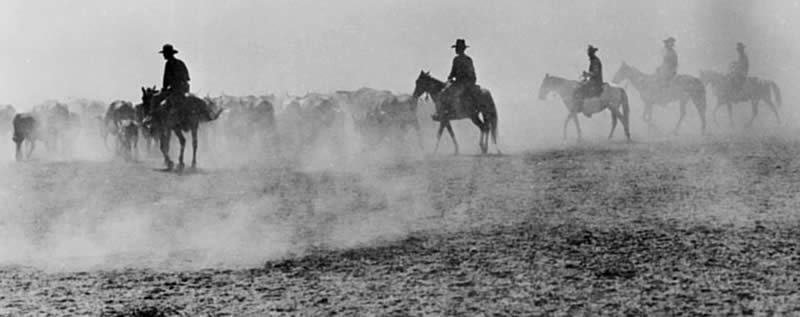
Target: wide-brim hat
(168, 49)
(460, 43)
(592, 49)
(669, 40)
(740, 45)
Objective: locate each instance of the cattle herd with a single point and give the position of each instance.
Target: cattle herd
(375, 116)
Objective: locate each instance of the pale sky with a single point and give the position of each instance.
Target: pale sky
(108, 49)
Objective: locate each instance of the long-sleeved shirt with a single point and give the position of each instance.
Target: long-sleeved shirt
(463, 70)
(742, 66)
(176, 75)
(670, 63)
(595, 70)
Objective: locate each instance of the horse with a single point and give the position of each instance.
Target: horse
(378, 114)
(682, 88)
(146, 134)
(427, 84)
(26, 128)
(612, 99)
(54, 122)
(753, 90)
(176, 117)
(121, 120)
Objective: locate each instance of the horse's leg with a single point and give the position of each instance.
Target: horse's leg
(165, 136)
(577, 126)
(614, 114)
(417, 128)
(754, 104)
(680, 119)
(182, 141)
(18, 153)
(566, 123)
(482, 140)
(136, 145)
(774, 110)
(452, 135)
(31, 146)
(716, 109)
(438, 136)
(194, 146)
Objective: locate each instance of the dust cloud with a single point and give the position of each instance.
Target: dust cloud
(86, 208)
(247, 203)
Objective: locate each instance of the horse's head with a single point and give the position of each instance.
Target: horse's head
(623, 73)
(546, 87)
(425, 83)
(147, 99)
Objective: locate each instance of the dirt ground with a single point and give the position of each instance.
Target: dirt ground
(695, 226)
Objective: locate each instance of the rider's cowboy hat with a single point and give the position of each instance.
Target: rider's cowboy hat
(592, 49)
(460, 43)
(168, 49)
(740, 45)
(669, 40)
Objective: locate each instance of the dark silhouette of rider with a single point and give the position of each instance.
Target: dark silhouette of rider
(463, 74)
(592, 83)
(669, 65)
(175, 85)
(739, 68)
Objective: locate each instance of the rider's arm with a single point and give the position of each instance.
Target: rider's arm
(166, 77)
(453, 70)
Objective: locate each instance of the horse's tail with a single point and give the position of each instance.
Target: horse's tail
(626, 109)
(493, 120)
(777, 92)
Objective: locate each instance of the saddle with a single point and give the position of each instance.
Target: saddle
(455, 102)
(594, 103)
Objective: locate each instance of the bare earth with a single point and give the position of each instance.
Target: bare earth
(702, 226)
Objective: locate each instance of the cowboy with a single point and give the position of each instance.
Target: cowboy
(592, 84)
(463, 74)
(669, 65)
(176, 77)
(739, 68)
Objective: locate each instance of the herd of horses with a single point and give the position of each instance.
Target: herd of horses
(376, 115)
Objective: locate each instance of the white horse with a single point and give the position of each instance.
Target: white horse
(613, 98)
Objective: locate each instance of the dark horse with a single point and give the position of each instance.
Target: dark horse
(753, 91)
(682, 88)
(486, 108)
(615, 99)
(179, 117)
(121, 121)
(26, 128)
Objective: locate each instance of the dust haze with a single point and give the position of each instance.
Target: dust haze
(86, 208)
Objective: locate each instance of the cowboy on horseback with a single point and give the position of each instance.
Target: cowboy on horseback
(175, 86)
(669, 65)
(462, 75)
(739, 69)
(592, 82)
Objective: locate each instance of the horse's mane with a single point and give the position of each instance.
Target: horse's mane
(633, 69)
(428, 76)
(560, 79)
